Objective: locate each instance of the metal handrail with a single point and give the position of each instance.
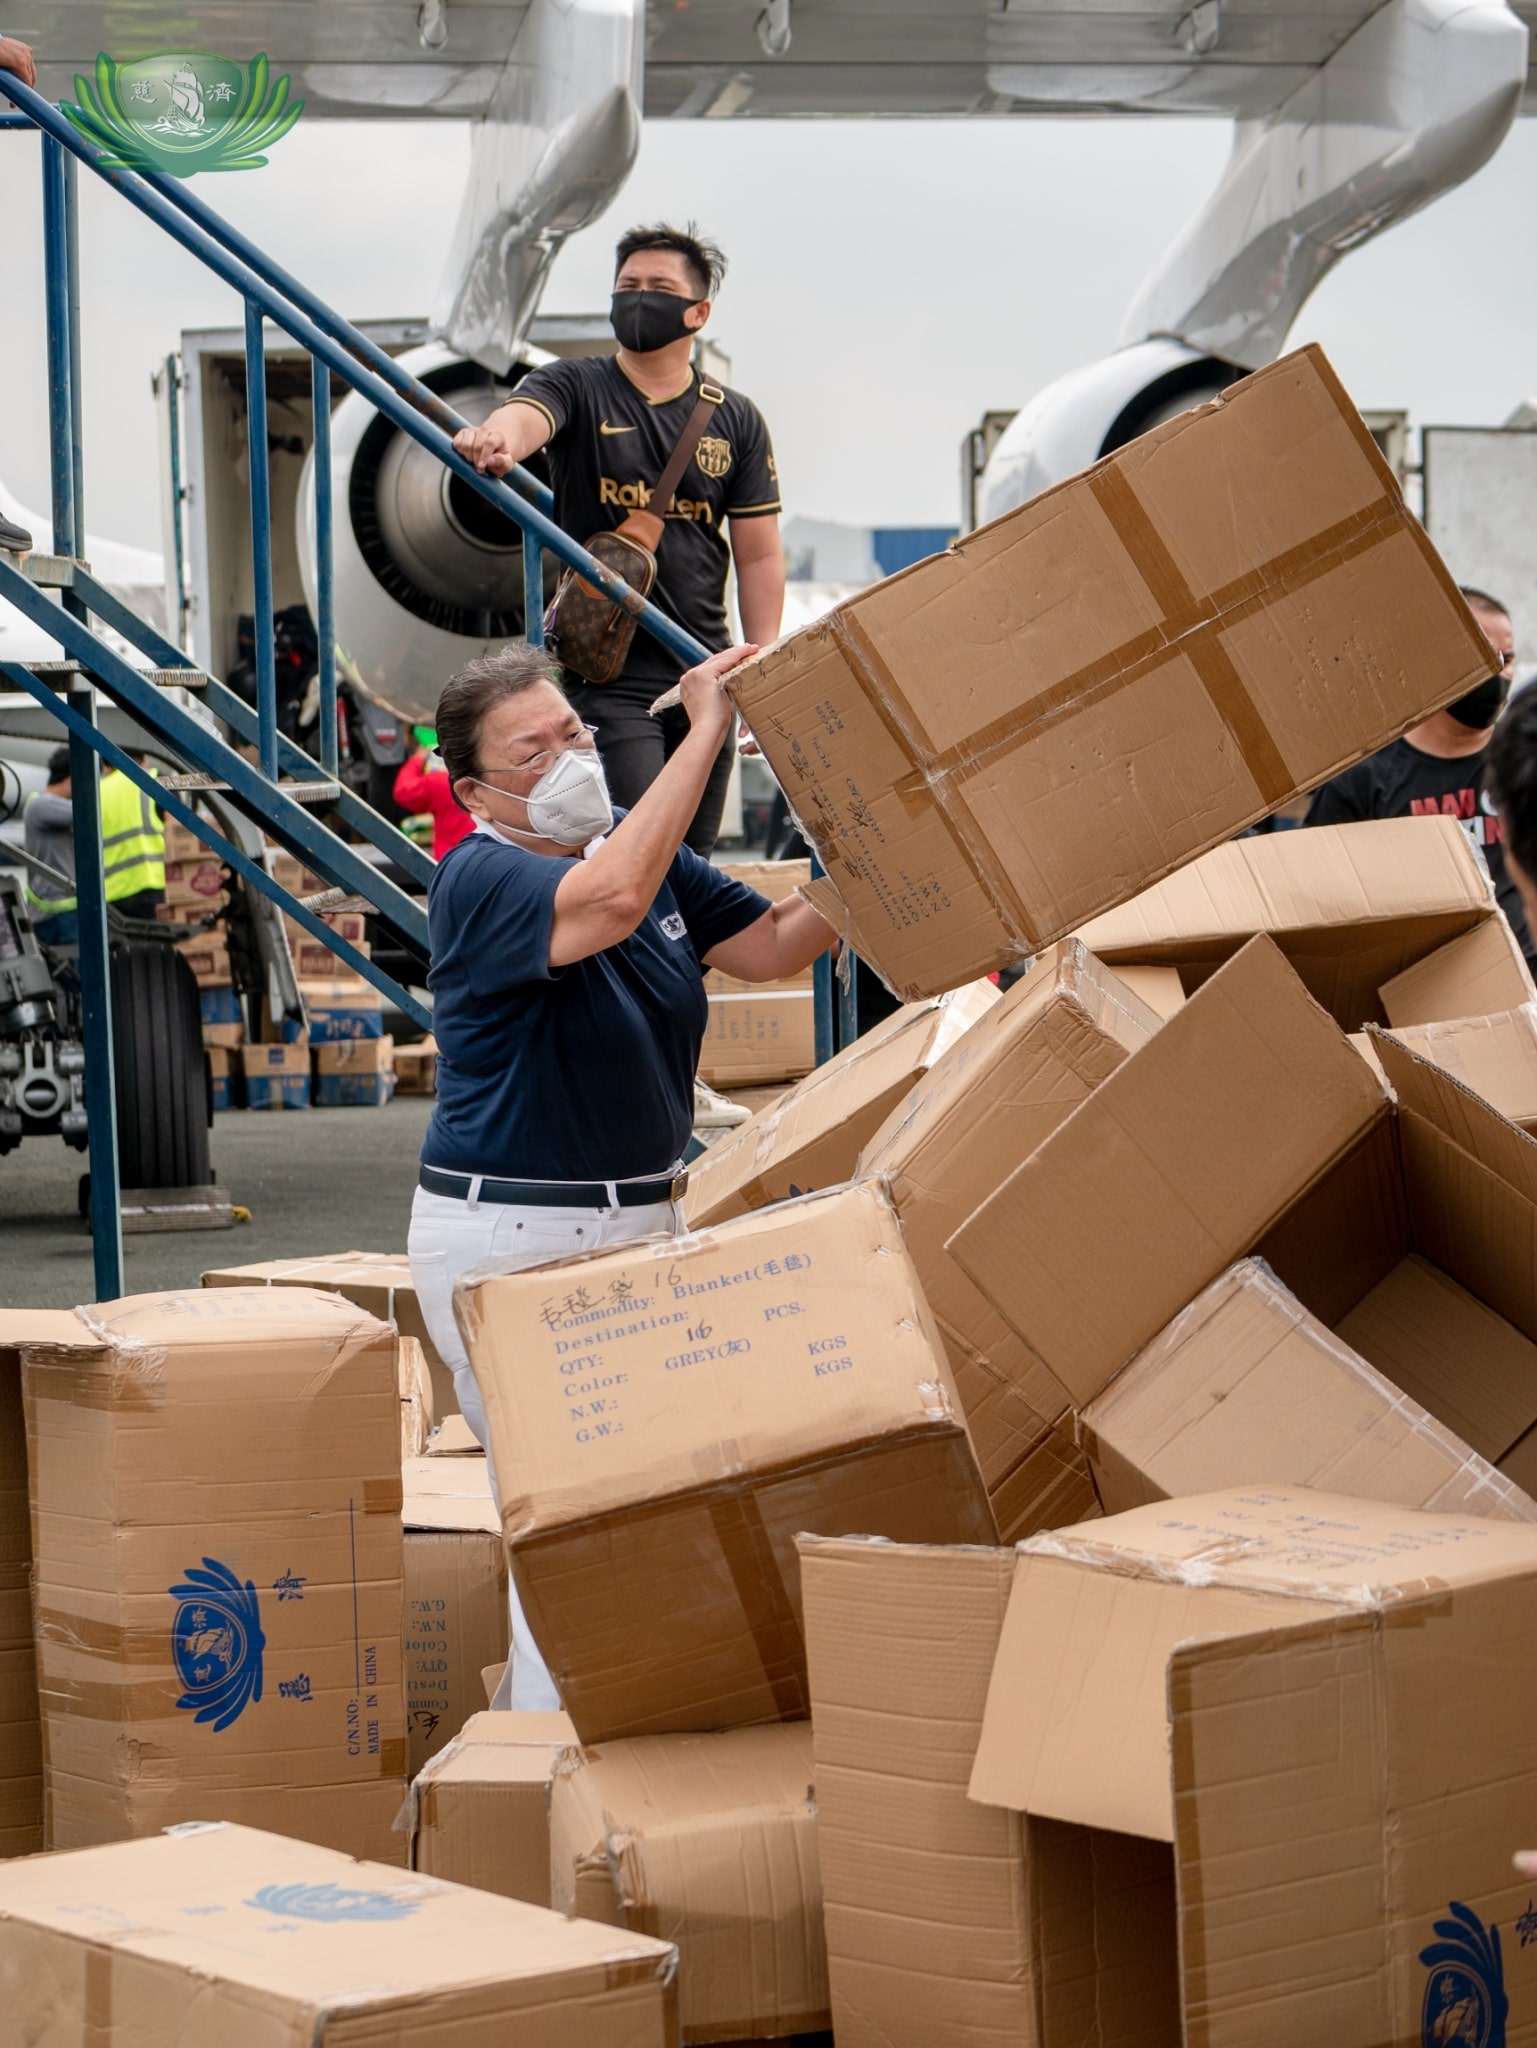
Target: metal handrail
(173, 217)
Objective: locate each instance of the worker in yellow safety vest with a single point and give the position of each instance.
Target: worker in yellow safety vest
(132, 846)
(48, 825)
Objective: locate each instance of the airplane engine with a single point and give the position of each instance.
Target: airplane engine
(427, 575)
(1093, 411)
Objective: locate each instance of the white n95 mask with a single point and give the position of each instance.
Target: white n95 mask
(569, 803)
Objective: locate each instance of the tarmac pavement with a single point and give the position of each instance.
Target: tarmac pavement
(315, 1181)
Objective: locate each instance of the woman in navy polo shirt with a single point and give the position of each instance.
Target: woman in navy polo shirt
(568, 955)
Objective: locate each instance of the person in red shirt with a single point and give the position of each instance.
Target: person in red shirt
(423, 785)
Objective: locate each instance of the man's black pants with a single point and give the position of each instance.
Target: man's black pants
(634, 746)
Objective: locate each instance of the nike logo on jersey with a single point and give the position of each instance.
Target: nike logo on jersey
(605, 428)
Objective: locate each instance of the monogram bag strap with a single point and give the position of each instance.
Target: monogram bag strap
(710, 396)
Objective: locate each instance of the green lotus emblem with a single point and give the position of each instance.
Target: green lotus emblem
(183, 112)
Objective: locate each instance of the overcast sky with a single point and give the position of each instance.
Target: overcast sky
(889, 282)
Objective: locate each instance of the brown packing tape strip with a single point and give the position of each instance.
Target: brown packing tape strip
(58, 1376)
(1127, 665)
(749, 1555)
(1118, 500)
(894, 711)
(382, 1496)
(142, 1648)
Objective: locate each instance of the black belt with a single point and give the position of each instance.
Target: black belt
(556, 1194)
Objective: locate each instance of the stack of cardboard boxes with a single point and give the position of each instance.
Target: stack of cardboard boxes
(760, 1031)
(1201, 1266)
(196, 883)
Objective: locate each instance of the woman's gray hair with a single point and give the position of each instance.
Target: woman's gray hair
(477, 689)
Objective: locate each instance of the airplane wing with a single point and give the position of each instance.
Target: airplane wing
(704, 59)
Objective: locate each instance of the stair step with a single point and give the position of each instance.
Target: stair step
(51, 572)
(300, 792)
(330, 900)
(57, 672)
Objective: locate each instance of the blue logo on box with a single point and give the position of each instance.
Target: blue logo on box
(1465, 2003)
(217, 1643)
(329, 1903)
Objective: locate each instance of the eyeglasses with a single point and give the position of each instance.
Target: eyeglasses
(582, 741)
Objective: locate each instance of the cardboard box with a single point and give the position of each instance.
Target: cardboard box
(1318, 1712)
(1178, 1163)
(21, 1741)
(1245, 1387)
(480, 1810)
(220, 1007)
(665, 1416)
(1009, 738)
(219, 1074)
(708, 1842)
(197, 882)
(924, 1895)
(343, 1008)
(1496, 1057)
(226, 1935)
(379, 1282)
(208, 957)
(291, 874)
(227, 1037)
(998, 1092)
(355, 1073)
(416, 1068)
(1392, 920)
(810, 1138)
(316, 962)
(457, 1618)
(415, 1398)
(276, 1076)
(215, 1488)
(182, 845)
(767, 1035)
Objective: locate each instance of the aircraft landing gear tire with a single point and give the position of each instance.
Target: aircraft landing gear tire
(161, 1071)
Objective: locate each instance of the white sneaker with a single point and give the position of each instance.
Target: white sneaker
(713, 1112)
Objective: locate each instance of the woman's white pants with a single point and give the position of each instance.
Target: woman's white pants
(447, 1238)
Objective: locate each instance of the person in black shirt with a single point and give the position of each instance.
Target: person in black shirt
(1511, 781)
(610, 423)
(1438, 767)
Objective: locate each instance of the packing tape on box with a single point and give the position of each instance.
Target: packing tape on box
(128, 1378)
(1190, 627)
(749, 1554)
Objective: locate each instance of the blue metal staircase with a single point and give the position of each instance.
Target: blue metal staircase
(284, 789)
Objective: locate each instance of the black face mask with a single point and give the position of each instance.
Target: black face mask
(643, 321)
(1481, 707)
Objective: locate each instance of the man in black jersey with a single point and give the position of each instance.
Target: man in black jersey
(610, 423)
(1438, 768)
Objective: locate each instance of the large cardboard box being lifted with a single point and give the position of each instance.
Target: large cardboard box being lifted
(1245, 1386)
(1322, 1707)
(810, 1138)
(1015, 735)
(456, 1619)
(1386, 922)
(226, 1937)
(665, 1416)
(377, 1281)
(216, 1510)
(985, 1106)
(924, 1891)
(710, 1842)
